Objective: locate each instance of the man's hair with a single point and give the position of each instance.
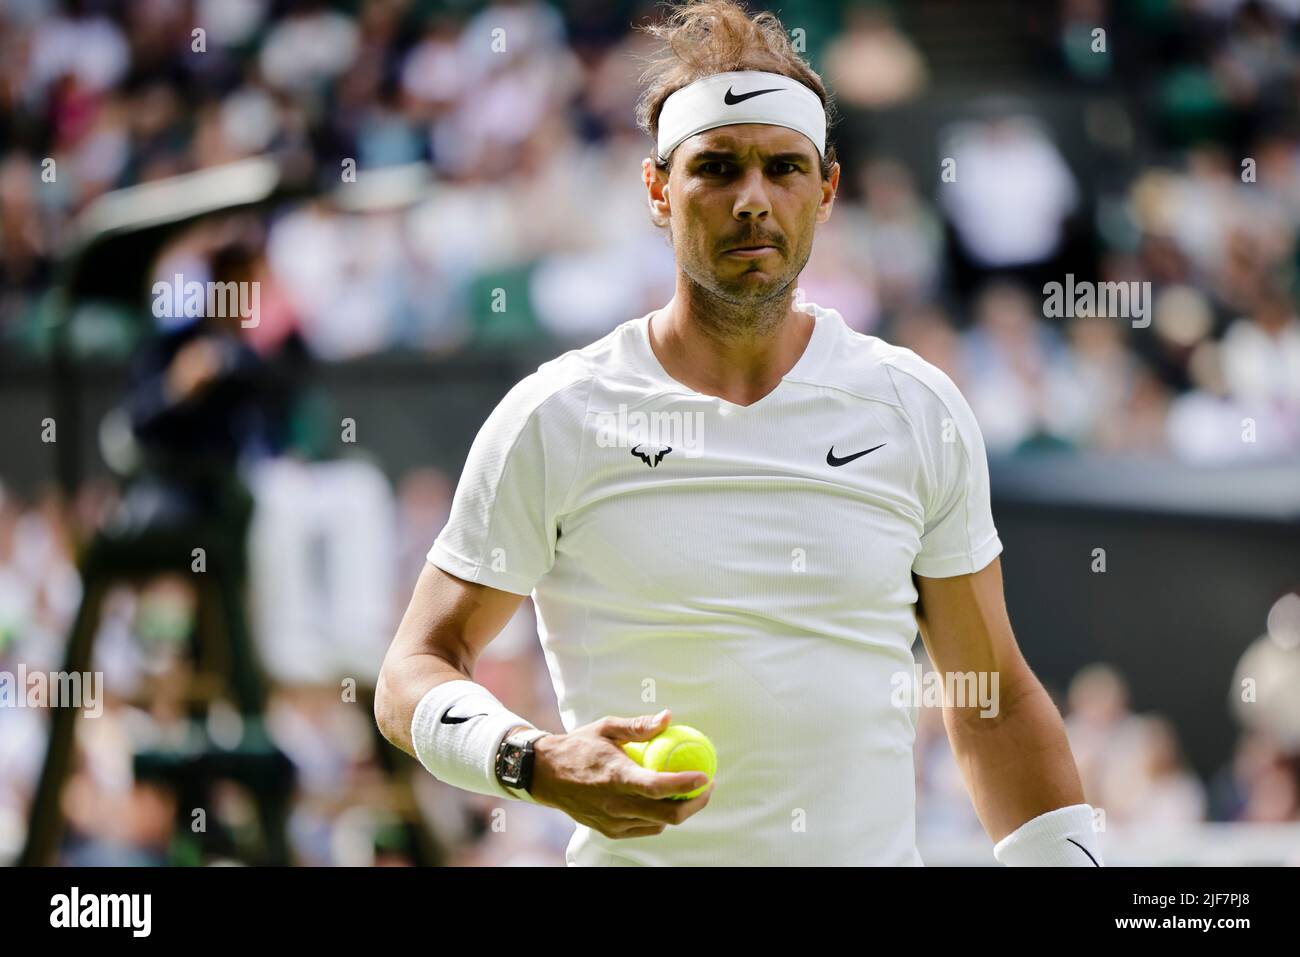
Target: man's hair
(704, 37)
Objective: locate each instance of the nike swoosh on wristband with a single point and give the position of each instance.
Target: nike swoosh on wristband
(834, 462)
(448, 719)
(1085, 850)
(731, 99)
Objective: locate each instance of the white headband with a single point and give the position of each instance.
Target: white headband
(745, 96)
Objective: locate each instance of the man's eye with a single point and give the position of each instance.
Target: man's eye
(719, 168)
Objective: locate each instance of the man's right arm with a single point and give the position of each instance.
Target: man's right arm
(447, 625)
(584, 773)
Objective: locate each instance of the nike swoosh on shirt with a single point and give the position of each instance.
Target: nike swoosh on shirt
(731, 99)
(835, 462)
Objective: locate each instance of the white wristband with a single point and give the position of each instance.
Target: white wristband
(456, 731)
(1065, 837)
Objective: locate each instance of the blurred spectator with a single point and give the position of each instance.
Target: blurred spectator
(1012, 363)
(870, 63)
(929, 332)
(321, 550)
(1010, 192)
(895, 237)
(1100, 726)
(1261, 357)
(1146, 785)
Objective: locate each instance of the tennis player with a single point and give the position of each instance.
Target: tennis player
(739, 509)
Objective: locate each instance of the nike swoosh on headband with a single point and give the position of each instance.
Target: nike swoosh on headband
(731, 99)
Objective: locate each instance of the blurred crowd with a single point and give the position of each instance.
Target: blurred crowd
(317, 640)
(323, 605)
(1132, 767)
(521, 114)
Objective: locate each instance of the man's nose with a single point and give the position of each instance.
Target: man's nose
(752, 200)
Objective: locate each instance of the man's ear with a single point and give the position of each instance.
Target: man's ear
(656, 183)
(829, 187)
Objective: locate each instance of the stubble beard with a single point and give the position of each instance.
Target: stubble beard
(737, 309)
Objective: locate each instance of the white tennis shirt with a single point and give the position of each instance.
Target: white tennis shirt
(748, 567)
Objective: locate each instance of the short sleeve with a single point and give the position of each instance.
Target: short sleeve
(958, 536)
(502, 528)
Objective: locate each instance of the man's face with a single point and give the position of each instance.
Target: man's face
(745, 185)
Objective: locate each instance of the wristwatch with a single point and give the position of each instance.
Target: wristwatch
(515, 758)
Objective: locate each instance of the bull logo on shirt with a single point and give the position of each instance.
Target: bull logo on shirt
(651, 455)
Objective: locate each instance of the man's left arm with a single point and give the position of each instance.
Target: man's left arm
(1014, 754)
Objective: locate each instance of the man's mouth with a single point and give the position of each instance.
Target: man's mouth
(755, 250)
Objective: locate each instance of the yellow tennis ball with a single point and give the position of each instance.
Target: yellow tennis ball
(679, 747)
(635, 750)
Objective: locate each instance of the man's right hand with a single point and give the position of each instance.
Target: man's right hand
(588, 776)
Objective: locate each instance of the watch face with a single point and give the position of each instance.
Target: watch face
(512, 763)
